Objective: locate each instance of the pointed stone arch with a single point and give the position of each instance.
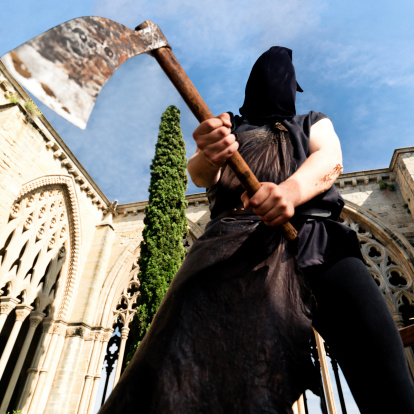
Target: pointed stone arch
(116, 281)
(117, 303)
(66, 184)
(120, 292)
(119, 277)
(390, 260)
(38, 267)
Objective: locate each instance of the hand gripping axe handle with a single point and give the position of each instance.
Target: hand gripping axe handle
(198, 107)
(67, 66)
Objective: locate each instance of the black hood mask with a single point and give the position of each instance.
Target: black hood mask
(271, 88)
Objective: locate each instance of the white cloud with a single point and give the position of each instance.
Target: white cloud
(218, 41)
(348, 69)
(223, 29)
(373, 64)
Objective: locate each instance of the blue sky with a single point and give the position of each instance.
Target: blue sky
(353, 59)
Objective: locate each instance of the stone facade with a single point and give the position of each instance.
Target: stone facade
(68, 258)
(388, 193)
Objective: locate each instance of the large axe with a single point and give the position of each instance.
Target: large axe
(67, 66)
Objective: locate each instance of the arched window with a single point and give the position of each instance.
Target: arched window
(34, 246)
(122, 317)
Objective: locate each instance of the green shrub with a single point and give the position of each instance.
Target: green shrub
(383, 185)
(162, 251)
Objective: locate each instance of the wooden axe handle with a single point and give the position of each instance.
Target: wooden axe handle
(198, 107)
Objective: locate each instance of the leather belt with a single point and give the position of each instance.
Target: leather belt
(311, 214)
(238, 211)
(307, 214)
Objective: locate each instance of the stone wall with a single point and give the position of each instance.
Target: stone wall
(36, 163)
(402, 164)
(387, 192)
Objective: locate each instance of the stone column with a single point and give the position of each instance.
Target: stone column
(63, 373)
(6, 306)
(43, 371)
(21, 313)
(51, 377)
(124, 337)
(35, 319)
(33, 371)
(95, 271)
(98, 370)
(88, 384)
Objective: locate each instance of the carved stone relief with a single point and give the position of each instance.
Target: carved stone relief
(127, 303)
(393, 277)
(33, 247)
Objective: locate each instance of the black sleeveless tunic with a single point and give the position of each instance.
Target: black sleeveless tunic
(232, 333)
(322, 240)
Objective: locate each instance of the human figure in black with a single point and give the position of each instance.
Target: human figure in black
(232, 333)
(351, 312)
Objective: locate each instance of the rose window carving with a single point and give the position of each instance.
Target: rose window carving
(393, 278)
(34, 246)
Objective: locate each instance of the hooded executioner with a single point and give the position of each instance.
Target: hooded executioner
(232, 333)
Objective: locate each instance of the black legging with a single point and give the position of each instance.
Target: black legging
(353, 318)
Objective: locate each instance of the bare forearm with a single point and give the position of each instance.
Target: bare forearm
(202, 172)
(215, 144)
(314, 177)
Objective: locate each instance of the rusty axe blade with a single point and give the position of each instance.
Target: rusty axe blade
(67, 66)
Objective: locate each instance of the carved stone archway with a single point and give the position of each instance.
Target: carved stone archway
(389, 258)
(39, 249)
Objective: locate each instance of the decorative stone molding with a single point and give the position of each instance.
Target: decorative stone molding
(197, 199)
(7, 305)
(387, 234)
(388, 255)
(107, 336)
(72, 331)
(47, 325)
(35, 318)
(58, 329)
(134, 209)
(364, 178)
(127, 303)
(66, 186)
(398, 319)
(22, 312)
(6, 308)
(124, 332)
(94, 335)
(85, 332)
(112, 209)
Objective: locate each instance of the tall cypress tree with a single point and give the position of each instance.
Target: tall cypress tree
(162, 251)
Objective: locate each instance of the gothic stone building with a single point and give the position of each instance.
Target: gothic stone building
(68, 259)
